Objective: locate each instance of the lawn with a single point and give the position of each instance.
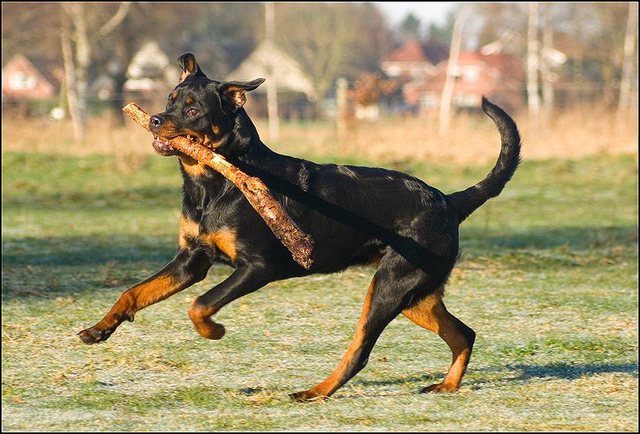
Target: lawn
(547, 278)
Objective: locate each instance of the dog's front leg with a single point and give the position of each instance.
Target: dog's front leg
(244, 280)
(188, 267)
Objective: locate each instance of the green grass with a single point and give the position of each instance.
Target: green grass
(548, 280)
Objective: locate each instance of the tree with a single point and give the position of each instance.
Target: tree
(317, 36)
(410, 28)
(326, 40)
(368, 20)
(588, 34)
(442, 33)
(77, 41)
(22, 25)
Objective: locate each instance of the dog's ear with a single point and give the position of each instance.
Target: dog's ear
(232, 93)
(189, 66)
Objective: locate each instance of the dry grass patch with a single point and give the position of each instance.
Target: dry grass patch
(472, 139)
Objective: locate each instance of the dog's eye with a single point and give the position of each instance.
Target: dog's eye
(192, 111)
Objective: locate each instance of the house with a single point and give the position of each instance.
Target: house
(30, 87)
(500, 77)
(414, 59)
(150, 76)
(294, 87)
(21, 81)
(150, 70)
(408, 61)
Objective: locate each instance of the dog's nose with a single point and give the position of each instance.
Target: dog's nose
(156, 121)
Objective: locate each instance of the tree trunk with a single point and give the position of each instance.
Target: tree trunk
(627, 68)
(83, 59)
(272, 85)
(452, 66)
(545, 66)
(70, 79)
(533, 97)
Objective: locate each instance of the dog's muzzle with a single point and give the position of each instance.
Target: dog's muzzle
(162, 146)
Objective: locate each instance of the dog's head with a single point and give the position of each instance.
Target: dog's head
(200, 109)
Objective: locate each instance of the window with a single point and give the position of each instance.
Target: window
(429, 100)
(471, 74)
(19, 81)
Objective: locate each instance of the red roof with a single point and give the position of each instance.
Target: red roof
(409, 52)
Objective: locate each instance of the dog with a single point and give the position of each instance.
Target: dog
(395, 222)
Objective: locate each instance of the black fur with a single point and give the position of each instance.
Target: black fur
(356, 215)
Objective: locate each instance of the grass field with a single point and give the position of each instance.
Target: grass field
(548, 279)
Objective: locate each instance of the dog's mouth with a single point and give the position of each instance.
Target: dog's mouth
(163, 147)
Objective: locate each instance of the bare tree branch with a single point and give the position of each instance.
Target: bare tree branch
(115, 20)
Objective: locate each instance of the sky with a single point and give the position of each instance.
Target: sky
(427, 12)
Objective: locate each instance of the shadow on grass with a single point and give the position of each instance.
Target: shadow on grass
(518, 373)
(563, 371)
(83, 251)
(55, 266)
(124, 198)
(46, 268)
(573, 372)
(573, 238)
(420, 381)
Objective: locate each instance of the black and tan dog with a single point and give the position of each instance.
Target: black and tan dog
(356, 215)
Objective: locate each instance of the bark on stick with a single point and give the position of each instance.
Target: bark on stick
(272, 212)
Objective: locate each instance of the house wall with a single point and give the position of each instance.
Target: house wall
(21, 80)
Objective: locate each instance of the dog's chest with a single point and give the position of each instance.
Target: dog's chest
(222, 239)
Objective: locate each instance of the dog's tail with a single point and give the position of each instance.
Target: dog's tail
(467, 201)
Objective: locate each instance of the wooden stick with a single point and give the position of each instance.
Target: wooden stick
(271, 211)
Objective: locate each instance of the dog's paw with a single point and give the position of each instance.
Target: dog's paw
(209, 329)
(93, 335)
(307, 396)
(439, 388)
(215, 332)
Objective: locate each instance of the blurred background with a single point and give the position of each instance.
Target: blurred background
(342, 78)
(548, 275)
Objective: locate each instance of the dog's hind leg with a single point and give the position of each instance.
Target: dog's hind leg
(382, 304)
(431, 314)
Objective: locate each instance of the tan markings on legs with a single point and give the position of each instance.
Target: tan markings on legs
(201, 318)
(188, 229)
(431, 314)
(335, 380)
(224, 240)
(153, 291)
(146, 293)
